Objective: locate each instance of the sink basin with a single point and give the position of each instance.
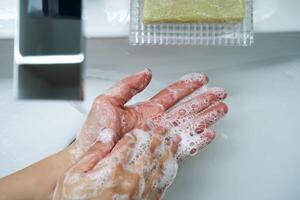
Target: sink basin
(31, 130)
(256, 154)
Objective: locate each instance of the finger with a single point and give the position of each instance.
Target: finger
(163, 169)
(124, 90)
(97, 152)
(148, 153)
(201, 140)
(122, 152)
(196, 104)
(178, 90)
(209, 116)
(169, 149)
(145, 159)
(175, 144)
(208, 136)
(167, 165)
(194, 143)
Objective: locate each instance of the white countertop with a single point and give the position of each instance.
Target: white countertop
(110, 18)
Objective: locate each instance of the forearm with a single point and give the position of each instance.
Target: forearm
(37, 181)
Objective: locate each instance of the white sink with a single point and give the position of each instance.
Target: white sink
(256, 154)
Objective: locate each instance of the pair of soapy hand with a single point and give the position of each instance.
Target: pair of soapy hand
(131, 152)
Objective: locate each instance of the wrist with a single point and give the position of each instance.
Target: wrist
(63, 159)
(73, 152)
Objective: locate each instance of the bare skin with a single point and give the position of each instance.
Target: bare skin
(108, 111)
(144, 162)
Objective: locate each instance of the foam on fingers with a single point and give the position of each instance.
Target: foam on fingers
(196, 104)
(180, 89)
(195, 77)
(124, 90)
(210, 116)
(141, 162)
(192, 128)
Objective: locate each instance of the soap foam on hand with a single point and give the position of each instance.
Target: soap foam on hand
(145, 159)
(135, 162)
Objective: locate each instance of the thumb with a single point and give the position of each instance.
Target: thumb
(103, 146)
(125, 89)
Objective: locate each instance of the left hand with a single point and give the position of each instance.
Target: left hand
(110, 113)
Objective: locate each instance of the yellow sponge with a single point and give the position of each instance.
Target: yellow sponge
(189, 11)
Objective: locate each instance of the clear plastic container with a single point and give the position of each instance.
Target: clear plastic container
(226, 33)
